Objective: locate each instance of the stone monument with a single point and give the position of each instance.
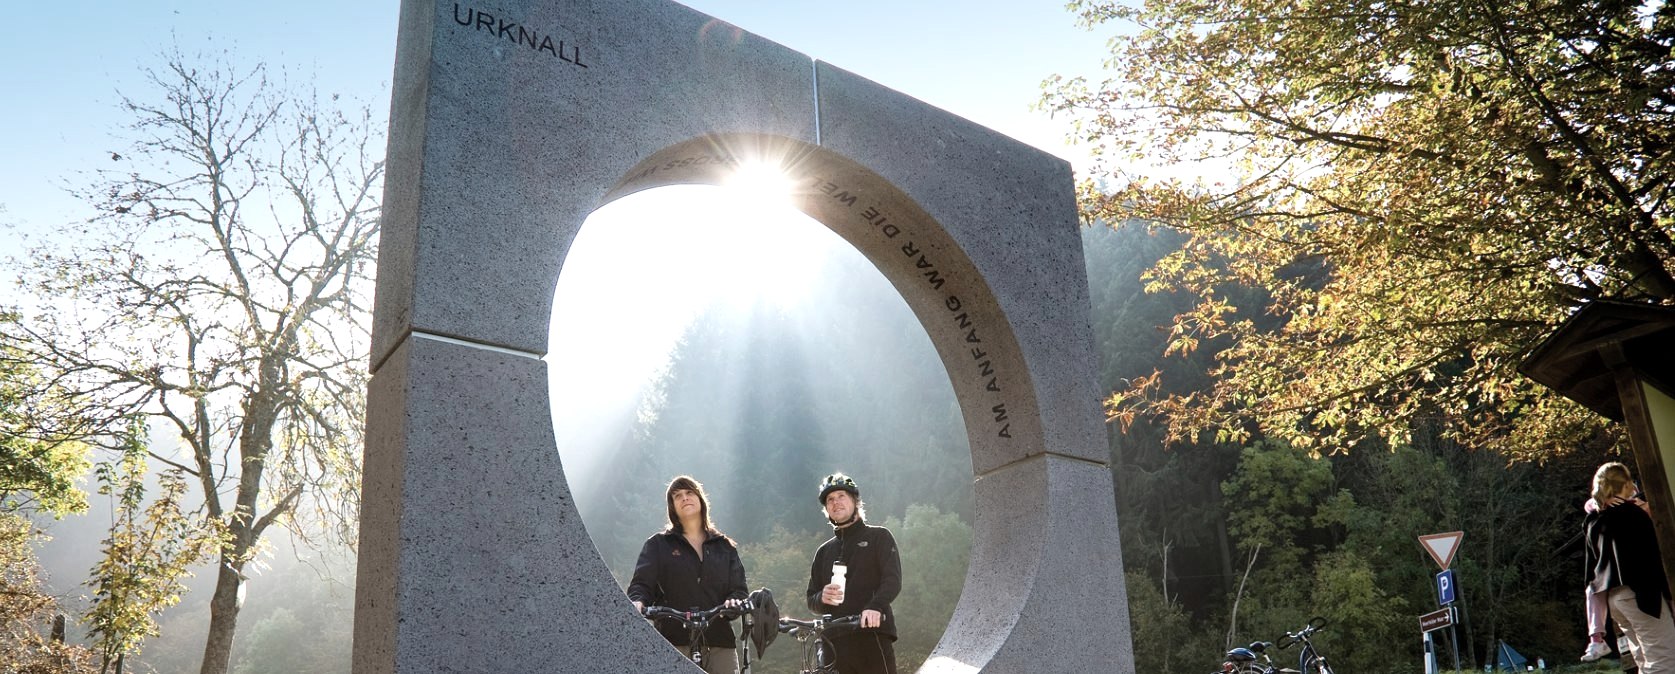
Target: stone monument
(511, 121)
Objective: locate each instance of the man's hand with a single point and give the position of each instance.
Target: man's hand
(730, 603)
(831, 595)
(639, 608)
(871, 618)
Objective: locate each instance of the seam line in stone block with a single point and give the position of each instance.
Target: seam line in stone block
(814, 74)
(1043, 457)
(475, 345)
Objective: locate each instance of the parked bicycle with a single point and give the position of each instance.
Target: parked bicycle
(757, 614)
(816, 635)
(1309, 661)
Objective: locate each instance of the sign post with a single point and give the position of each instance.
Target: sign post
(1442, 548)
(1431, 622)
(1430, 655)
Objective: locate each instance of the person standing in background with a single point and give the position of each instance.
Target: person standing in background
(1625, 564)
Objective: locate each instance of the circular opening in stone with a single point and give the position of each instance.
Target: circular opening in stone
(709, 331)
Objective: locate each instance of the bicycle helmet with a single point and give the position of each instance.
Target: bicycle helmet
(764, 619)
(837, 481)
(1241, 655)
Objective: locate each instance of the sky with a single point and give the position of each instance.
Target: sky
(67, 59)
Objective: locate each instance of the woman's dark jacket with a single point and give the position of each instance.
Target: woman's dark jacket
(670, 574)
(1622, 550)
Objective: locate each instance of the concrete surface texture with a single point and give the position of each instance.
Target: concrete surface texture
(511, 122)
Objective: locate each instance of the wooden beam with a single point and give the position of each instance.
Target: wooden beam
(1648, 458)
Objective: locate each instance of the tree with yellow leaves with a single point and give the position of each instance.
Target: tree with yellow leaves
(1422, 191)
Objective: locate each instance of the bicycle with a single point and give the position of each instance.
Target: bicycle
(818, 656)
(756, 610)
(1309, 661)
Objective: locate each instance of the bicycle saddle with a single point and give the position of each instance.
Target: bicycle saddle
(1241, 655)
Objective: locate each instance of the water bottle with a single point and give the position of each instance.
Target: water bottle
(839, 573)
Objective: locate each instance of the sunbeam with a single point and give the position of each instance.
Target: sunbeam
(717, 332)
(643, 268)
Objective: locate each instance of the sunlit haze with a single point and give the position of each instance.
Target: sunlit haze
(644, 266)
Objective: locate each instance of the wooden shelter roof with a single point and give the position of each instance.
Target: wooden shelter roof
(1570, 360)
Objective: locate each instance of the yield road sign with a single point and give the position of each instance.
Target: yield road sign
(1445, 587)
(1442, 546)
(1436, 620)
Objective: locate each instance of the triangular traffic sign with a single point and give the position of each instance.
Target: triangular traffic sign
(1442, 546)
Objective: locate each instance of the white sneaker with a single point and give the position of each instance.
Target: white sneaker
(1596, 650)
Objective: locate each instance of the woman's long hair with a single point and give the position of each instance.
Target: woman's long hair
(686, 482)
(1609, 481)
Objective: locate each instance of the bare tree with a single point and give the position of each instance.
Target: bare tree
(221, 293)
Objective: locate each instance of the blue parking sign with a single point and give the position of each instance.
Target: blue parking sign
(1445, 587)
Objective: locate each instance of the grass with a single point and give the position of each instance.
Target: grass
(1606, 666)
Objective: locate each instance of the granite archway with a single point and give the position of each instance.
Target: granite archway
(510, 123)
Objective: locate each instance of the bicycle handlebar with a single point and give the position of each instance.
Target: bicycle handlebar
(1315, 624)
(821, 624)
(690, 618)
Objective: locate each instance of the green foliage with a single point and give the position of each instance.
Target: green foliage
(1363, 612)
(935, 549)
(1278, 491)
(780, 563)
(36, 470)
(1421, 191)
(150, 549)
(1164, 640)
(1606, 666)
(1337, 533)
(1169, 498)
(27, 611)
(271, 645)
(1336, 537)
(312, 638)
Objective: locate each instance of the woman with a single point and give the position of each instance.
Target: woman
(1626, 566)
(691, 566)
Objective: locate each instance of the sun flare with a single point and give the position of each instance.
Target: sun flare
(761, 184)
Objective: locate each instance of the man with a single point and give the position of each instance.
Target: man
(872, 580)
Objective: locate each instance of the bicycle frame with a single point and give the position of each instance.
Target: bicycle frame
(1310, 655)
(816, 645)
(1309, 660)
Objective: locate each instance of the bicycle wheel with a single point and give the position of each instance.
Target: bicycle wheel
(1315, 665)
